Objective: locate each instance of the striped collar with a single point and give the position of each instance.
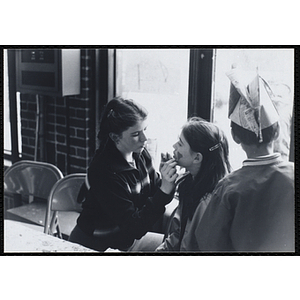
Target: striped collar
(263, 160)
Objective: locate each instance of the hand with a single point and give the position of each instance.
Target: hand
(169, 175)
(164, 158)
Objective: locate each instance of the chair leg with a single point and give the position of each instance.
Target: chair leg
(54, 226)
(58, 231)
(30, 199)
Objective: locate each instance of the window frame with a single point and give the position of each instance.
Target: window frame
(13, 114)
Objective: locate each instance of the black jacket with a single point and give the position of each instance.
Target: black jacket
(121, 195)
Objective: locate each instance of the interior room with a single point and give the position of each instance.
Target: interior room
(53, 102)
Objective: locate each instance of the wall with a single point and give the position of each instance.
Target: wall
(69, 122)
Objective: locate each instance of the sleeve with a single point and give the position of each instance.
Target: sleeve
(171, 243)
(213, 231)
(116, 201)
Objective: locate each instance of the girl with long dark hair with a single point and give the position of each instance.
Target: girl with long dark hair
(124, 196)
(202, 149)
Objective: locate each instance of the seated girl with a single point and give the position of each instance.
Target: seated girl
(202, 150)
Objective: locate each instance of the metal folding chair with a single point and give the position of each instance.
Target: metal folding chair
(63, 198)
(32, 179)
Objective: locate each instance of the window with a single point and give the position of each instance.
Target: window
(6, 120)
(276, 66)
(8, 112)
(158, 80)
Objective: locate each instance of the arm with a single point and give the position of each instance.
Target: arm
(167, 169)
(116, 199)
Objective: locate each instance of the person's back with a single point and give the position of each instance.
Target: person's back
(252, 209)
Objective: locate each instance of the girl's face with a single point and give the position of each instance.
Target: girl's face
(133, 139)
(183, 153)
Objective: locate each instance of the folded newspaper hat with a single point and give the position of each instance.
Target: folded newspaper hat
(250, 102)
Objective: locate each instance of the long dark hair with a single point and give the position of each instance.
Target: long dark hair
(206, 138)
(119, 115)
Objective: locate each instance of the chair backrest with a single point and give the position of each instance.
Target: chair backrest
(31, 178)
(63, 197)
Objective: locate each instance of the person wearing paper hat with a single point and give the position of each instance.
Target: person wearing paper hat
(251, 106)
(252, 209)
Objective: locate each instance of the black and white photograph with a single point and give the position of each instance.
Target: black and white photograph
(122, 150)
(148, 150)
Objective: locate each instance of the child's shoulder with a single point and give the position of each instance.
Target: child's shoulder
(235, 178)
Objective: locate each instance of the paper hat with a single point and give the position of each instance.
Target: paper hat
(250, 105)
